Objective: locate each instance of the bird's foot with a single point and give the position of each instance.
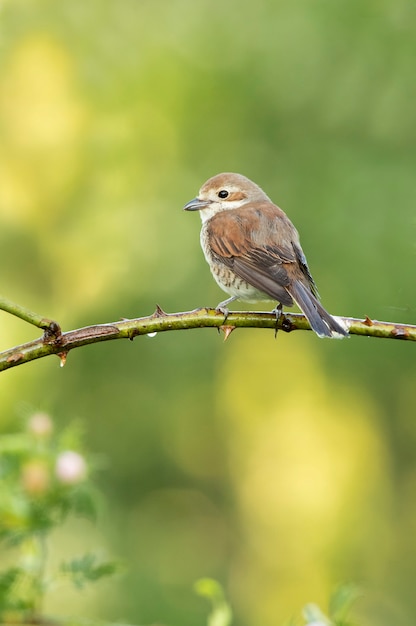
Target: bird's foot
(223, 308)
(278, 311)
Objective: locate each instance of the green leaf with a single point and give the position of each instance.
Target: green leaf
(221, 614)
(313, 615)
(16, 443)
(83, 501)
(18, 591)
(84, 570)
(342, 600)
(7, 580)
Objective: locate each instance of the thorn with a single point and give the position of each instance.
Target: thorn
(62, 356)
(159, 312)
(227, 330)
(132, 334)
(368, 321)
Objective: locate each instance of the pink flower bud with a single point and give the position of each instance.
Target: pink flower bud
(70, 468)
(35, 477)
(40, 425)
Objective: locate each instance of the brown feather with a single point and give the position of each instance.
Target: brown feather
(261, 245)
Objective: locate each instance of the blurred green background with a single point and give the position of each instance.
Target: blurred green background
(279, 467)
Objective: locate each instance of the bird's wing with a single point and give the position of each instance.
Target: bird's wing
(257, 245)
(261, 246)
(303, 266)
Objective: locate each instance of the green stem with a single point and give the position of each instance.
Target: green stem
(50, 327)
(33, 563)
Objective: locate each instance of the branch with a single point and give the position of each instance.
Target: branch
(51, 328)
(56, 342)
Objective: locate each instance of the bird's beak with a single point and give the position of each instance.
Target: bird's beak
(196, 205)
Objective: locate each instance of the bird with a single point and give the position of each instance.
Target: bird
(254, 252)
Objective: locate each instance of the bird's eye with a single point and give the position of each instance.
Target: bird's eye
(223, 193)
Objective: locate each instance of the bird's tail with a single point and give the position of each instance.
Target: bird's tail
(320, 320)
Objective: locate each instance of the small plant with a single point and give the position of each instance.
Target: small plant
(339, 606)
(221, 613)
(44, 477)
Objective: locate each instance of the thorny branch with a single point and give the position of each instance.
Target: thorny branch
(56, 342)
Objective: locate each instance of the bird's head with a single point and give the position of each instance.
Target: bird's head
(224, 192)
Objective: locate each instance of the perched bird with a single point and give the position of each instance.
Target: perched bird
(254, 252)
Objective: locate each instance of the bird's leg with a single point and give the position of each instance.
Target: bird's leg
(223, 308)
(278, 312)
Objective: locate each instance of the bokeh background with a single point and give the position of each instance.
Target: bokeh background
(279, 467)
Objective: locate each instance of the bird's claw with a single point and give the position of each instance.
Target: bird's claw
(224, 310)
(278, 311)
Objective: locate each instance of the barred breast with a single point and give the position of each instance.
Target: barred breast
(224, 276)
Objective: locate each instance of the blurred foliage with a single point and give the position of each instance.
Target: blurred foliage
(340, 606)
(277, 467)
(42, 482)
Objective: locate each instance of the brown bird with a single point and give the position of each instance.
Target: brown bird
(254, 252)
